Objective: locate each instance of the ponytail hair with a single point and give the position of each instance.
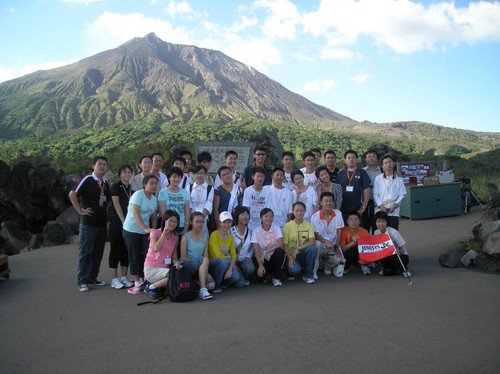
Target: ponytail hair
(292, 216)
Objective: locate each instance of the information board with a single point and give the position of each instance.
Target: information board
(219, 149)
(417, 170)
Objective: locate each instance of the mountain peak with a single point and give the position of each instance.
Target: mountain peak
(145, 76)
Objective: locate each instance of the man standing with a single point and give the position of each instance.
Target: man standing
(356, 186)
(373, 169)
(94, 192)
(231, 160)
(287, 159)
(310, 179)
(156, 170)
(330, 159)
(279, 198)
(205, 158)
(259, 155)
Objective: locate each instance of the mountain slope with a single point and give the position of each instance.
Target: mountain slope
(149, 78)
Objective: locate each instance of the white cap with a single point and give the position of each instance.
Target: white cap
(224, 216)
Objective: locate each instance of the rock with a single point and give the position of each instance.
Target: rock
(488, 228)
(37, 241)
(5, 174)
(492, 245)
(15, 237)
(451, 259)
(55, 233)
(71, 218)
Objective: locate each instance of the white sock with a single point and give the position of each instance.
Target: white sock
(152, 287)
(137, 283)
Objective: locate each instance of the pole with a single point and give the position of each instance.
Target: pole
(404, 268)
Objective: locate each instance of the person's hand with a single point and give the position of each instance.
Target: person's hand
(329, 244)
(86, 212)
(178, 265)
(261, 271)
(355, 239)
(291, 262)
(361, 211)
(393, 208)
(383, 208)
(185, 259)
(228, 274)
(147, 230)
(248, 259)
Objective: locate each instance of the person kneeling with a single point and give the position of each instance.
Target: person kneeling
(223, 255)
(298, 242)
(349, 241)
(161, 254)
(392, 265)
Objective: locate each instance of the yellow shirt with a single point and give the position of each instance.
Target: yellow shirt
(219, 249)
(294, 235)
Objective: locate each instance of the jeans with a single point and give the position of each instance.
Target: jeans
(247, 268)
(137, 247)
(91, 249)
(219, 267)
(192, 266)
(305, 259)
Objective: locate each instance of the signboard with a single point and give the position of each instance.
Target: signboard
(219, 149)
(419, 171)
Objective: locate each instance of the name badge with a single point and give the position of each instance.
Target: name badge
(168, 261)
(102, 200)
(349, 188)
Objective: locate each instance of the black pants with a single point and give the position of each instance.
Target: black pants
(367, 221)
(351, 257)
(137, 247)
(393, 221)
(274, 266)
(118, 251)
(392, 266)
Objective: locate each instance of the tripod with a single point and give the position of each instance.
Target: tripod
(467, 194)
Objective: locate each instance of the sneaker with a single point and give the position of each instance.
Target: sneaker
(204, 294)
(406, 274)
(327, 272)
(373, 265)
(277, 282)
(315, 276)
(134, 290)
(365, 270)
(381, 272)
(247, 283)
(100, 283)
(217, 290)
(126, 282)
(290, 278)
(83, 288)
(116, 284)
(308, 280)
(153, 292)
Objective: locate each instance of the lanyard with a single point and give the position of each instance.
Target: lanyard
(101, 186)
(199, 196)
(128, 192)
(276, 196)
(350, 176)
(388, 188)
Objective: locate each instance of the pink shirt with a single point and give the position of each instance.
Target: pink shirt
(157, 259)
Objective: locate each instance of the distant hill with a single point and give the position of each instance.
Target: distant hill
(147, 78)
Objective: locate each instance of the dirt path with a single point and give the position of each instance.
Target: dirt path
(446, 322)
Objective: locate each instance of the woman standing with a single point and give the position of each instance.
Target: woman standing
(326, 185)
(243, 242)
(141, 209)
(161, 253)
(175, 198)
(145, 164)
(304, 194)
(267, 242)
(120, 196)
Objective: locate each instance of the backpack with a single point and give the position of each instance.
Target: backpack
(180, 286)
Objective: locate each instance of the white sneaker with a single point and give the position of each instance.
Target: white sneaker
(381, 272)
(406, 274)
(83, 288)
(290, 278)
(327, 272)
(308, 280)
(126, 282)
(315, 276)
(365, 270)
(204, 294)
(277, 282)
(116, 284)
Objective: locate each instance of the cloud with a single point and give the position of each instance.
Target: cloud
(112, 29)
(317, 86)
(402, 25)
(179, 8)
(83, 2)
(11, 73)
(332, 53)
(360, 78)
(9, 10)
(283, 18)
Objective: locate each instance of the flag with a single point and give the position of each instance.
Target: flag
(375, 247)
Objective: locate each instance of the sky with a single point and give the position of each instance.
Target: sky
(375, 60)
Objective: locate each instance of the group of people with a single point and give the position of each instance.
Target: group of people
(257, 226)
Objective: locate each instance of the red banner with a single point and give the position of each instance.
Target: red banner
(375, 247)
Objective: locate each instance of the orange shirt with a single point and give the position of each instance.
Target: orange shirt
(347, 235)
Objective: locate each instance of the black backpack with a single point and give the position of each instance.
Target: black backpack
(180, 286)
